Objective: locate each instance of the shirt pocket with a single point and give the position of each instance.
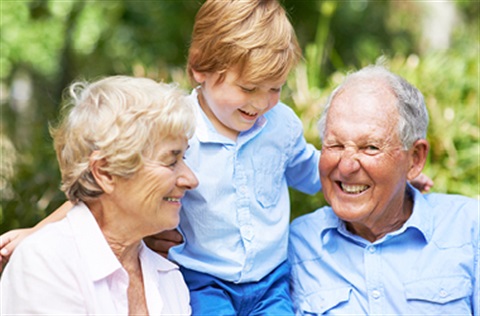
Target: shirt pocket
(451, 294)
(268, 175)
(323, 301)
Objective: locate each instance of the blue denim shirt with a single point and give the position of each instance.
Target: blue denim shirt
(428, 267)
(235, 223)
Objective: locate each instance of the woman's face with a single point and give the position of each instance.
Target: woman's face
(152, 197)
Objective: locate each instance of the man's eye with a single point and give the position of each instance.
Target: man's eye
(370, 149)
(334, 147)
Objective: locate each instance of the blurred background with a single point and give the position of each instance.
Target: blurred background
(46, 44)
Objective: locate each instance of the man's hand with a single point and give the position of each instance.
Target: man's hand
(162, 242)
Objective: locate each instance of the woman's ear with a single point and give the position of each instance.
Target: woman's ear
(104, 179)
(199, 76)
(418, 157)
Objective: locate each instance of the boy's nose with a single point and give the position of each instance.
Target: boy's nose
(260, 103)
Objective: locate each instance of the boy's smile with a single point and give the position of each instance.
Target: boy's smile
(232, 105)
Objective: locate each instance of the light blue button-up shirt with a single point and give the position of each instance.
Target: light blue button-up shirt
(235, 223)
(428, 267)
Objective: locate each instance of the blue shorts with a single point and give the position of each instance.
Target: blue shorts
(212, 296)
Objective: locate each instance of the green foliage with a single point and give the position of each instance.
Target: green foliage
(45, 44)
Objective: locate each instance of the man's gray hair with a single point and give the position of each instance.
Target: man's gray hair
(413, 121)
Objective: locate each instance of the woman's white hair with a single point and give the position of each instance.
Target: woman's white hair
(119, 119)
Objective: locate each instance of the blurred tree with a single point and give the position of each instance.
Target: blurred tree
(45, 44)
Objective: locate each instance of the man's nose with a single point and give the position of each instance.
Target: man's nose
(349, 161)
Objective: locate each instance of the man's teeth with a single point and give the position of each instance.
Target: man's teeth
(353, 188)
(171, 199)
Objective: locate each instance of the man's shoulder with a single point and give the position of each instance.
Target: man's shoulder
(319, 219)
(453, 202)
(455, 218)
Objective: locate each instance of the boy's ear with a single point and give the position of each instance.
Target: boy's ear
(198, 76)
(104, 179)
(418, 158)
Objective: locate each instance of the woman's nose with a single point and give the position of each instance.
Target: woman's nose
(187, 178)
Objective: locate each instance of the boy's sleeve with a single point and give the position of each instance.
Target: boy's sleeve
(302, 170)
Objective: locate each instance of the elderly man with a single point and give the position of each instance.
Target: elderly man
(382, 247)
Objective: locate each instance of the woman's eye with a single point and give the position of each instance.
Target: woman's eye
(173, 164)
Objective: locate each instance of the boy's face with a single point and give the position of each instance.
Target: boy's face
(234, 105)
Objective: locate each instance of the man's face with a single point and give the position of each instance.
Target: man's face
(363, 167)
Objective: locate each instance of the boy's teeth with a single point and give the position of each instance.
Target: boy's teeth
(353, 188)
(170, 199)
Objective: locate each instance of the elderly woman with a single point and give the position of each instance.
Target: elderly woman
(120, 149)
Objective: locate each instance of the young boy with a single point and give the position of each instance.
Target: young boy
(247, 150)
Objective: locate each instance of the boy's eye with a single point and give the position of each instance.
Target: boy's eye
(276, 90)
(248, 89)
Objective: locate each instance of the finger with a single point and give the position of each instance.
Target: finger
(171, 235)
(4, 241)
(162, 246)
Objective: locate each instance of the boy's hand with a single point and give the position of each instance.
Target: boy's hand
(423, 183)
(8, 242)
(162, 242)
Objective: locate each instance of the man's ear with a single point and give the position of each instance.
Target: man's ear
(418, 158)
(104, 179)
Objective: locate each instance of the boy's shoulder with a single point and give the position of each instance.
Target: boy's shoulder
(283, 112)
(282, 109)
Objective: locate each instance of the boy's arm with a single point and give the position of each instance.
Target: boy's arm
(422, 183)
(10, 239)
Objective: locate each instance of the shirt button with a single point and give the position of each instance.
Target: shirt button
(371, 249)
(443, 293)
(376, 294)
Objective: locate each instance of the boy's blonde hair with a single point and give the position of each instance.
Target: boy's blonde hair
(119, 119)
(254, 36)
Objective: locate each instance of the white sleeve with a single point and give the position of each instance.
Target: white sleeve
(41, 280)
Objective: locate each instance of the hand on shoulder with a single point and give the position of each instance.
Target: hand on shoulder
(9, 241)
